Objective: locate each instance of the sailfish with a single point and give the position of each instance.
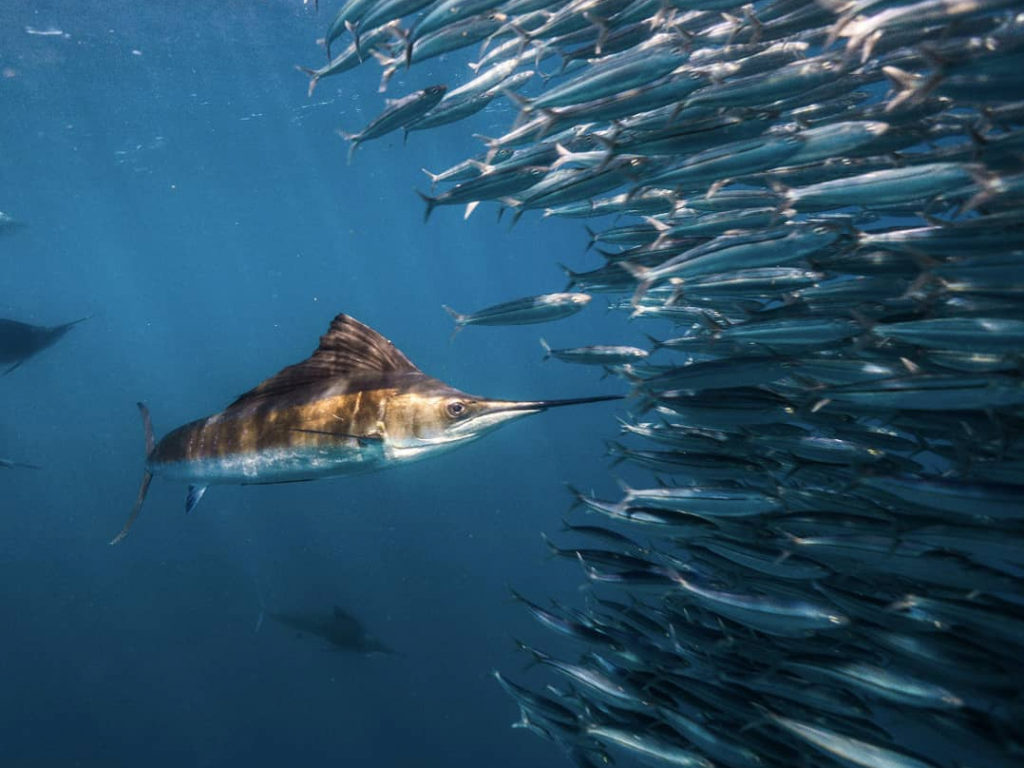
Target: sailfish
(357, 404)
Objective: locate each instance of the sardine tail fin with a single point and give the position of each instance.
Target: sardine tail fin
(642, 276)
(354, 31)
(434, 177)
(460, 320)
(430, 201)
(314, 78)
(353, 141)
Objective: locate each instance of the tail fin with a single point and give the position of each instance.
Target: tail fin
(389, 70)
(626, 489)
(434, 177)
(573, 277)
(493, 145)
(642, 276)
(353, 140)
(577, 495)
(547, 349)
(602, 27)
(655, 343)
(430, 201)
(354, 31)
(909, 87)
(314, 78)
(538, 656)
(516, 98)
(460, 320)
(553, 550)
(147, 476)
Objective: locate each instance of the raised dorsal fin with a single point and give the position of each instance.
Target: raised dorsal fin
(348, 349)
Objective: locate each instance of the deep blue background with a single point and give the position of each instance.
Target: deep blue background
(179, 186)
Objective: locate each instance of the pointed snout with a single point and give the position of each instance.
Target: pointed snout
(535, 406)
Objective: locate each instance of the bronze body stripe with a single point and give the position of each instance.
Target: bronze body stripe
(264, 426)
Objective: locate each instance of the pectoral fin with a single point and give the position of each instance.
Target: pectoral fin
(195, 493)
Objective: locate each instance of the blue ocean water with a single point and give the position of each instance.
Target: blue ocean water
(179, 186)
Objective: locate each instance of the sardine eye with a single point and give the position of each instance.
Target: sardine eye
(456, 408)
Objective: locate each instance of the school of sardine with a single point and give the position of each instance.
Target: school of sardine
(824, 203)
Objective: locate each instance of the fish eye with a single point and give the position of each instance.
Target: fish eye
(456, 408)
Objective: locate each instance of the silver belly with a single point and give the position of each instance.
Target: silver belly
(277, 465)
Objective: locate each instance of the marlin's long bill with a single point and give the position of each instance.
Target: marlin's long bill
(356, 405)
(543, 405)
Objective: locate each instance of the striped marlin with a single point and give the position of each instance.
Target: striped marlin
(356, 405)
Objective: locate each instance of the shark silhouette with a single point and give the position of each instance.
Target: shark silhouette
(341, 629)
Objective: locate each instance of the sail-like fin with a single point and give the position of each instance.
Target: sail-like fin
(348, 349)
(192, 499)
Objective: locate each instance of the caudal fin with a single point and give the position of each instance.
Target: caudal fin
(434, 178)
(642, 277)
(314, 78)
(147, 476)
(460, 319)
(547, 349)
(430, 201)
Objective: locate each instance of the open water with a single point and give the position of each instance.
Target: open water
(179, 186)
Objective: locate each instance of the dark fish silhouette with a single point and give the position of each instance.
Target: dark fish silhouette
(341, 629)
(20, 341)
(357, 405)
